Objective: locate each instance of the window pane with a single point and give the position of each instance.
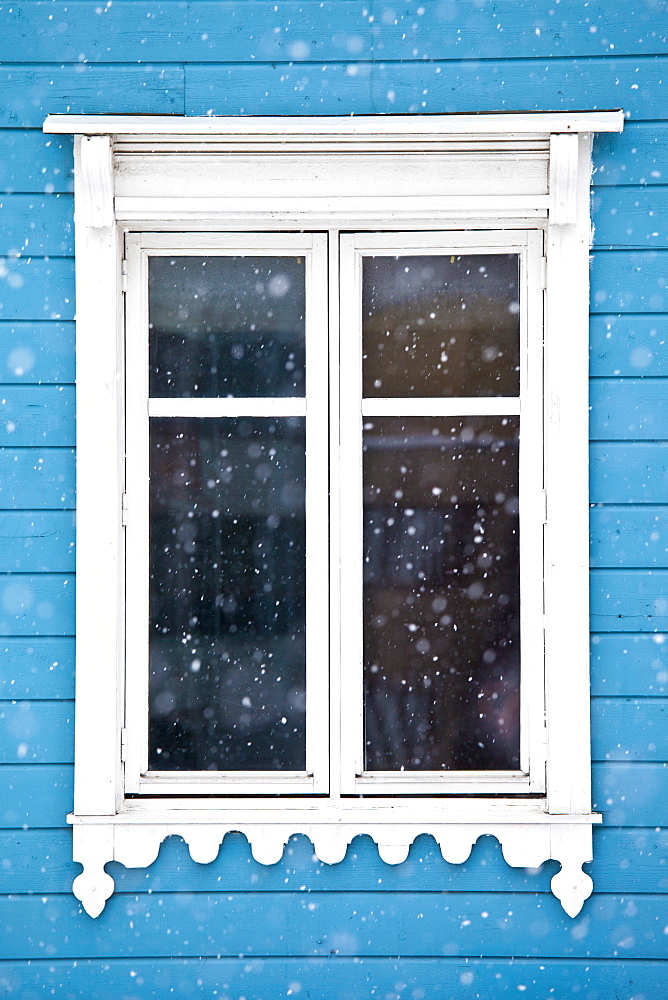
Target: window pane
(441, 325)
(441, 593)
(227, 594)
(226, 326)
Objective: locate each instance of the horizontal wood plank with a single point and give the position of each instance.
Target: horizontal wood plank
(631, 537)
(628, 473)
(628, 345)
(32, 224)
(242, 32)
(37, 542)
(37, 416)
(35, 795)
(36, 732)
(629, 600)
(330, 923)
(356, 978)
(33, 162)
(633, 218)
(29, 93)
(638, 156)
(33, 353)
(37, 288)
(36, 478)
(37, 668)
(628, 729)
(629, 794)
(39, 604)
(625, 860)
(629, 281)
(418, 87)
(629, 665)
(628, 409)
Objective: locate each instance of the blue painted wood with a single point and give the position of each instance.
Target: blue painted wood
(29, 93)
(35, 795)
(42, 604)
(638, 156)
(37, 542)
(631, 794)
(628, 473)
(628, 345)
(629, 281)
(337, 923)
(40, 732)
(36, 352)
(36, 478)
(629, 600)
(31, 224)
(629, 729)
(633, 218)
(31, 161)
(37, 415)
(37, 668)
(38, 288)
(629, 665)
(243, 32)
(40, 861)
(358, 978)
(628, 409)
(426, 87)
(632, 537)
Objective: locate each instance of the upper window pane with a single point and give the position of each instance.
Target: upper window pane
(441, 325)
(226, 326)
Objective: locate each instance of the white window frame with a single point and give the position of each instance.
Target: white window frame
(518, 173)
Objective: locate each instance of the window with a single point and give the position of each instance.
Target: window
(332, 469)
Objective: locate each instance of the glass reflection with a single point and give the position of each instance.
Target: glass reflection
(441, 325)
(441, 593)
(226, 326)
(227, 593)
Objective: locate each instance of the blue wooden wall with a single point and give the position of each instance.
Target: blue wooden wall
(424, 929)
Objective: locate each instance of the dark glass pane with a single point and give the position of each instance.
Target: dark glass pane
(227, 646)
(226, 326)
(441, 325)
(441, 593)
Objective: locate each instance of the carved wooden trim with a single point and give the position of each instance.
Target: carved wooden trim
(523, 845)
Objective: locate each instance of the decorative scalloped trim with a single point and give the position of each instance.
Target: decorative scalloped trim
(523, 845)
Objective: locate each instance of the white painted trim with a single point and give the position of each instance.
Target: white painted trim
(480, 406)
(107, 825)
(228, 406)
(376, 126)
(524, 844)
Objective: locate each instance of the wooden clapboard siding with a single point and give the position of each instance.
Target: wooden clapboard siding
(628, 345)
(331, 31)
(301, 926)
(409, 923)
(634, 537)
(31, 224)
(37, 667)
(624, 664)
(32, 352)
(356, 978)
(36, 478)
(37, 541)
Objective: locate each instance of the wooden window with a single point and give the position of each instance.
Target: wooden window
(332, 486)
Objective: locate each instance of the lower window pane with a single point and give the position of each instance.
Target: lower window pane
(441, 593)
(227, 594)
